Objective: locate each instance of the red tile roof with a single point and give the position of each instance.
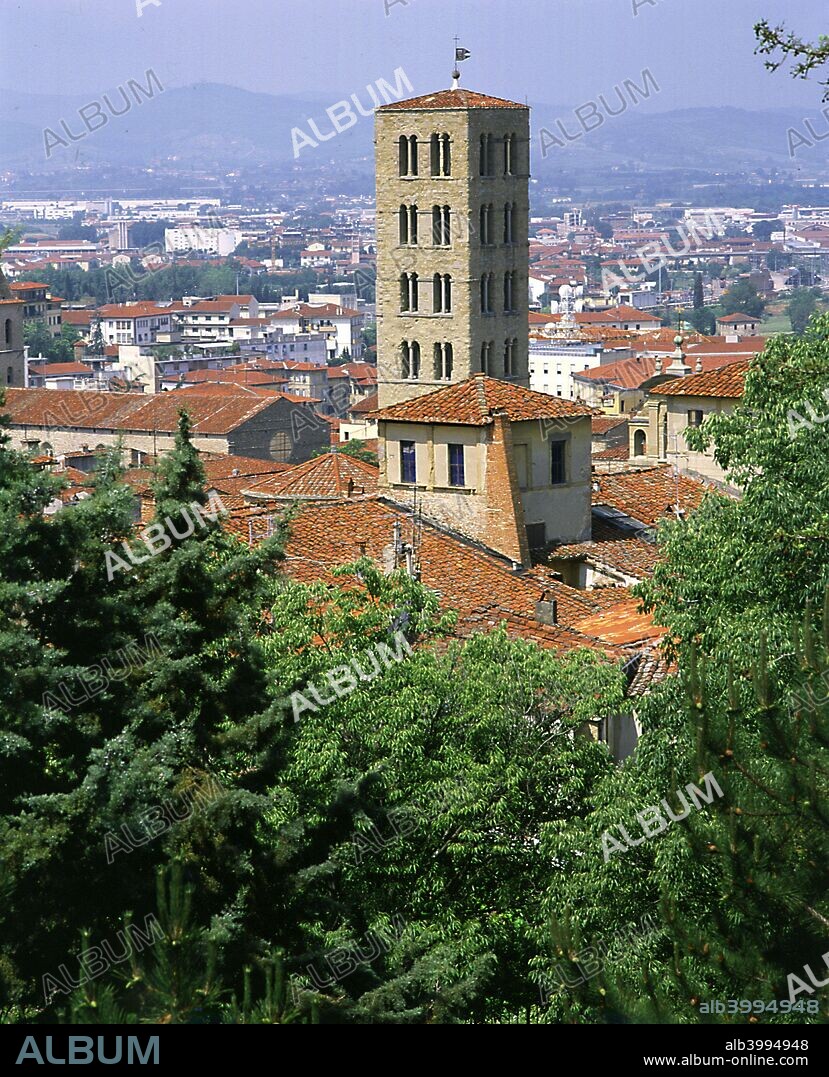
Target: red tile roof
(231, 375)
(601, 424)
(727, 382)
(614, 549)
(90, 410)
(615, 452)
(734, 319)
(479, 584)
(132, 310)
(223, 466)
(76, 317)
(624, 313)
(51, 370)
(361, 370)
(229, 388)
(325, 476)
(646, 494)
(366, 405)
(621, 625)
(632, 373)
(474, 401)
(451, 99)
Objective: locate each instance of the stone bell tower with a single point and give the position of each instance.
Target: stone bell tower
(452, 241)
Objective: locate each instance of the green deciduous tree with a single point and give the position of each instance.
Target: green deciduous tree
(737, 888)
(742, 298)
(801, 307)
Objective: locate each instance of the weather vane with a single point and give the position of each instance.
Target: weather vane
(460, 55)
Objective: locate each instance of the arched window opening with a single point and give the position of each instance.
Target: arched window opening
(443, 358)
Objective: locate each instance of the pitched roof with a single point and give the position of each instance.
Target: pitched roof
(451, 99)
(77, 317)
(623, 624)
(601, 424)
(729, 381)
(474, 402)
(632, 373)
(612, 547)
(232, 374)
(367, 405)
(131, 310)
(646, 494)
(626, 313)
(222, 465)
(227, 388)
(324, 476)
(738, 318)
(467, 577)
(615, 452)
(90, 410)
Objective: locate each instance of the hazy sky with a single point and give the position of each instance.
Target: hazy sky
(700, 52)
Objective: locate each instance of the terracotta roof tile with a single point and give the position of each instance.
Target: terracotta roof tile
(646, 494)
(615, 452)
(727, 382)
(325, 476)
(225, 466)
(132, 310)
(624, 624)
(90, 410)
(451, 99)
(51, 370)
(602, 423)
(476, 582)
(614, 549)
(474, 401)
(366, 405)
(632, 373)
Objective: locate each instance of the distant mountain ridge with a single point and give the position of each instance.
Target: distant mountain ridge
(210, 124)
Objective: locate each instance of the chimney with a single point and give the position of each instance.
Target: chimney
(546, 609)
(505, 528)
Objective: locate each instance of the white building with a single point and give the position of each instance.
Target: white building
(192, 238)
(133, 323)
(554, 362)
(342, 326)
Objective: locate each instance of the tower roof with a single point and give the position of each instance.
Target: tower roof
(474, 402)
(450, 99)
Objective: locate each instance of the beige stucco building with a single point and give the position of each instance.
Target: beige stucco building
(657, 433)
(501, 464)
